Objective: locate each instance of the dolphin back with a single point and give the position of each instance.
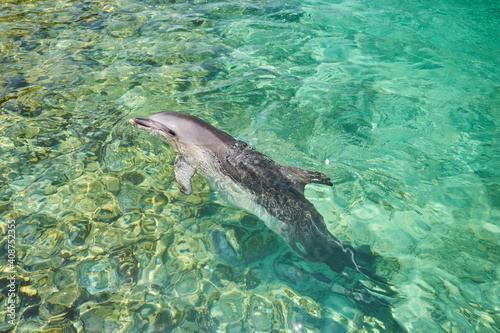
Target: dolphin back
(279, 190)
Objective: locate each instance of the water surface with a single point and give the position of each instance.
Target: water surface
(396, 101)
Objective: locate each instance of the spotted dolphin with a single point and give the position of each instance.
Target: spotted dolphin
(253, 182)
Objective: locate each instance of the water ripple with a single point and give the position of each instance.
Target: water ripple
(398, 104)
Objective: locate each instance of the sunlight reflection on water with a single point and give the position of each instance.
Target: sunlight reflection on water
(401, 100)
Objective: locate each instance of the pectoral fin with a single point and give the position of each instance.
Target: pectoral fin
(183, 173)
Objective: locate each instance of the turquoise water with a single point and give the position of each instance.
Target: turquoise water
(396, 101)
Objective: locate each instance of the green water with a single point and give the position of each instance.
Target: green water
(396, 101)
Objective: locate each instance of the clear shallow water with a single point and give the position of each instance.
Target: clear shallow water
(397, 102)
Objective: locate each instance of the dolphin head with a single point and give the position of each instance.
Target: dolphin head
(180, 129)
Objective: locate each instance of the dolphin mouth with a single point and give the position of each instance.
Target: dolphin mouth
(141, 122)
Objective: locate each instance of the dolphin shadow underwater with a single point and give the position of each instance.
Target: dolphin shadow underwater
(253, 182)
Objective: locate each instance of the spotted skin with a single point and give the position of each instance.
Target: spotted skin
(280, 191)
(250, 180)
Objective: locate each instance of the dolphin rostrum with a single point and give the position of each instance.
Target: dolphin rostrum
(255, 183)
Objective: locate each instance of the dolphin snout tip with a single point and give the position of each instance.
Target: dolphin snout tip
(140, 122)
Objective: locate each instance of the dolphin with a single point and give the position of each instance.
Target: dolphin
(253, 182)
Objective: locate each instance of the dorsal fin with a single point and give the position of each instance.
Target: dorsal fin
(302, 177)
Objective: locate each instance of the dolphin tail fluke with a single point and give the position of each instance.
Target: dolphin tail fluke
(365, 260)
(366, 264)
(362, 260)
